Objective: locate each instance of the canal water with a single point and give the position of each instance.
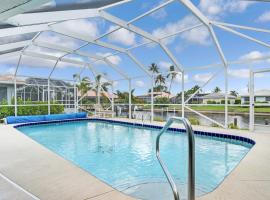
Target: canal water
(241, 119)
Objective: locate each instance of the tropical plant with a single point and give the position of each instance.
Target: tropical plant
(123, 97)
(154, 68)
(189, 92)
(217, 90)
(84, 84)
(160, 80)
(234, 93)
(100, 85)
(172, 75)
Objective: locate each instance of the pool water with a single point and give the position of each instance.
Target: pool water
(124, 156)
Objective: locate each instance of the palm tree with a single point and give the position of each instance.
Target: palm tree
(234, 93)
(172, 75)
(100, 85)
(84, 85)
(154, 68)
(160, 80)
(217, 90)
(124, 96)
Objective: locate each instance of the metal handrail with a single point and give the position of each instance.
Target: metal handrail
(191, 158)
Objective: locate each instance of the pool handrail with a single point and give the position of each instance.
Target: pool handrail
(191, 158)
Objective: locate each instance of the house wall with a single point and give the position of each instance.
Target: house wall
(256, 99)
(7, 93)
(232, 101)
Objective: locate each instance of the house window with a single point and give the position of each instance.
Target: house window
(3, 93)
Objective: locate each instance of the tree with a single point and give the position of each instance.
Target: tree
(160, 80)
(123, 97)
(217, 90)
(172, 75)
(234, 93)
(84, 85)
(154, 68)
(100, 85)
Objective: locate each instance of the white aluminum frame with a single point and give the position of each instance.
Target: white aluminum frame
(49, 21)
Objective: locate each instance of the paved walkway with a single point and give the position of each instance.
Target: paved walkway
(45, 174)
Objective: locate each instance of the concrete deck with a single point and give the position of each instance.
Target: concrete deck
(50, 177)
(45, 174)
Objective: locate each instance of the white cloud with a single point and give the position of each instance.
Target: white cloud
(164, 64)
(178, 78)
(215, 9)
(204, 77)
(139, 83)
(242, 73)
(81, 26)
(265, 17)
(58, 40)
(113, 58)
(255, 55)
(198, 36)
(10, 70)
(122, 36)
(161, 13)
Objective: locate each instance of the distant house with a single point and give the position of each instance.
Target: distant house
(147, 97)
(92, 95)
(196, 99)
(259, 96)
(217, 98)
(7, 87)
(34, 89)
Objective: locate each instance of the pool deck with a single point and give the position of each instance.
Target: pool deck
(50, 177)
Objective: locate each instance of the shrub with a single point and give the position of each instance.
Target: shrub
(194, 121)
(211, 102)
(223, 102)
(237, 101)
(159, 119)
(162, 100)
(29, 108)
(215, 125)
(233, 126)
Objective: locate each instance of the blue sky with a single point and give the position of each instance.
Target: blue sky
(192, 49)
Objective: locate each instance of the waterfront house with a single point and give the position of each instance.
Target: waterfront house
(218, 98)
(7, 87)
(260, 96)
(147, 97)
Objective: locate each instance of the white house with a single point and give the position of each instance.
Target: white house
(7, 88)
(217, 98)
(147, 97)
(262, 96)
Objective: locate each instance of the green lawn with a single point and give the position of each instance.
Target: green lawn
(236, 109)
(231, 109)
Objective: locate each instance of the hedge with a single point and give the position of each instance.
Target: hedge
(35, 109)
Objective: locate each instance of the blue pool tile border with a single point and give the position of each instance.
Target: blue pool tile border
(201, 133)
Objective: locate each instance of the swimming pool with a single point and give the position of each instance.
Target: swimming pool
(123, 155)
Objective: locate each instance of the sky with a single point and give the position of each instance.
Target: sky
(193, 48)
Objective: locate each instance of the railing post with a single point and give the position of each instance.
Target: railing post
(15, 96)
(152, 99)
(49, 98)
(129, 99)
(183, 94)
(191, 158)
(112, 102)
(251, 101)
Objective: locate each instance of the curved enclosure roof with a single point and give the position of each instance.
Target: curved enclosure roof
(120, 39)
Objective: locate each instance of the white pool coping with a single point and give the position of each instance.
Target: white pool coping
(50, 177)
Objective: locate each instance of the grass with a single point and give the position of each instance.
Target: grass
(236, 109)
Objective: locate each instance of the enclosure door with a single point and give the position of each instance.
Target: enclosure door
(260, 100)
